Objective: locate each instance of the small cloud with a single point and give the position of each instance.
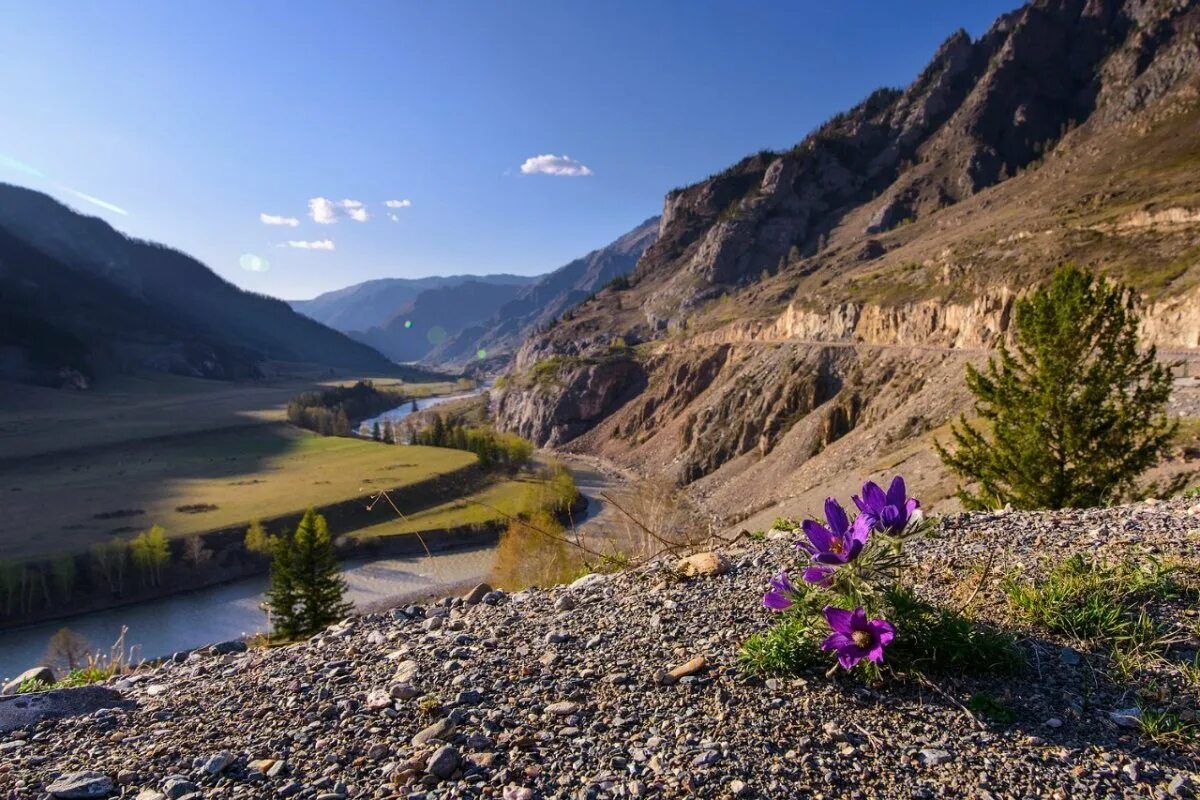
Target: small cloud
(253, 263)
(326, 211)
(20, 166)
(393, 216)
(320, 244)
(398, 203)
(275, 219)
(96, 201)
(562, 165)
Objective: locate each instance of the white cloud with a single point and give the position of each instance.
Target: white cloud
(327, 212)
(398, 203)
(253, 263)
(320, 244)
(275, 219)
(393, 216)
(562, 165)
(97, 201)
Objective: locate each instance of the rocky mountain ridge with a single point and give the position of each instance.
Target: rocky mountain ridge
(748, 344)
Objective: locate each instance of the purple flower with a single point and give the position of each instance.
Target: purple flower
(839, 543)
(855, 638)
(779, 596)
(886, 512)
(820, 575)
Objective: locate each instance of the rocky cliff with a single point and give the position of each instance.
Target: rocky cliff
(787, 296)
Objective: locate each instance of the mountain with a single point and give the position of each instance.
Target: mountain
(434, 315)
(544, 301)
(373, 303)
(79, 297)
(454, 321)
(804, 318)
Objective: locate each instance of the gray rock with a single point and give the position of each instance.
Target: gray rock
(218, 763)
(39, 674)
(150, 794)
(932, 757)
(440, 730)
(225, 648)
(1126, 717)
(177, 787)
(443, 762)
(476, 595)
(82, 785)
(565, 602)
(563, 708)
(1180, 786)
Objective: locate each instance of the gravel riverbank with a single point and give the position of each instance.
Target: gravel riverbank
(568, 692)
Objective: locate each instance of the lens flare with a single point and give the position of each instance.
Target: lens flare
(481, 354)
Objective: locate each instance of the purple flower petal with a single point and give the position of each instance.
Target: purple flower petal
(873, 496)
(821, 576)
(819, 535)
(896, 493)
(837, 641)
(776, 601)
(839, 619)
(835, 516)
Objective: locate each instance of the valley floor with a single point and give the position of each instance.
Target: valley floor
(561, 693)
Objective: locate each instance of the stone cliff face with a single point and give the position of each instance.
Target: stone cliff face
(789, 292)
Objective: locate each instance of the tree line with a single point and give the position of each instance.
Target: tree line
(115, 565)
(328, 412)
(493, 447)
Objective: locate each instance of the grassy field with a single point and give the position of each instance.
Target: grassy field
(195, 482)
(187, 454)
(506, 498)
(35, 420)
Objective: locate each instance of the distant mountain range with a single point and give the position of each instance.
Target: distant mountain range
(77, 298)
(373, 303)
(455, 320)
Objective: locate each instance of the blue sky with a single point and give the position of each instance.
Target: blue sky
(197, 118)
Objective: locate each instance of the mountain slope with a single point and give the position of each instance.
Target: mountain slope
(434, 315)
(373, 303)
(165, 292)
(805, 316)
(544, 302)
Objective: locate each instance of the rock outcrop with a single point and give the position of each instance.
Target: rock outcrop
(913, 221)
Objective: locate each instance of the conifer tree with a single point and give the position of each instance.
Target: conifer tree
(376, 432)
(1075, 413)
(306, 592)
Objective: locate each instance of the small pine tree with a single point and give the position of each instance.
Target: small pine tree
(376, 432)
(306, 592)
(1076, 413)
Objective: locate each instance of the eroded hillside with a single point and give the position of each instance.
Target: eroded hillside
(810, 311)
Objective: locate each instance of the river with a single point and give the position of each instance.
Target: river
(394, 415)
(230, 611)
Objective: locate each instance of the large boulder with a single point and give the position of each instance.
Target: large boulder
(82, 785)
(37, 674)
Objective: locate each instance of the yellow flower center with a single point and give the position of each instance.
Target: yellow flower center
(861, 638)
(836, 546)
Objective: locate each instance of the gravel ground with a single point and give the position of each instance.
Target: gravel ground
(565, 693)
